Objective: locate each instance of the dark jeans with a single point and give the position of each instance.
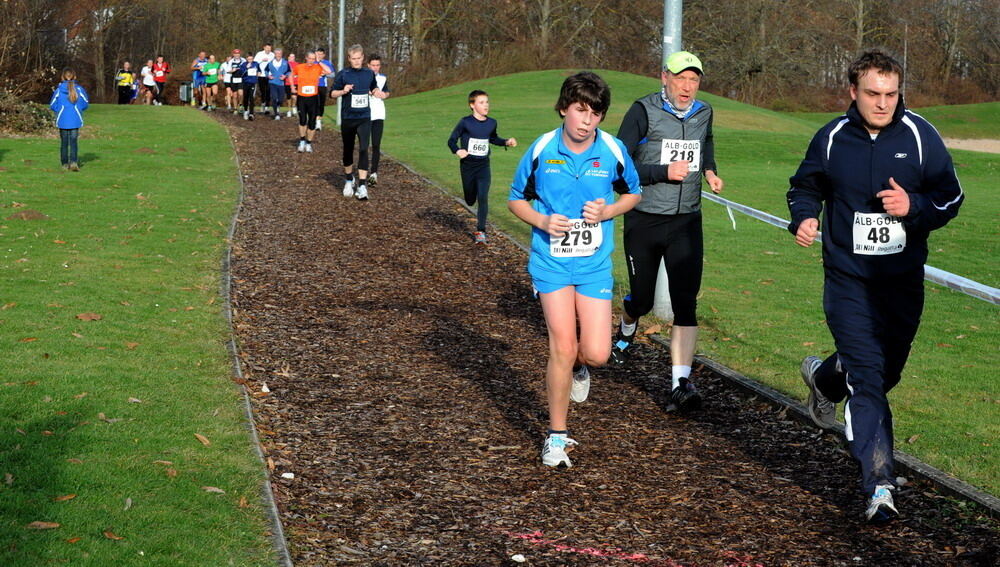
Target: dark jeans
(67, 145)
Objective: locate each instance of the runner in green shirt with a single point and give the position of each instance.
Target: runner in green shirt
(211, 72)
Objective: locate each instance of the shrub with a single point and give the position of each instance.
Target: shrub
(20, 118)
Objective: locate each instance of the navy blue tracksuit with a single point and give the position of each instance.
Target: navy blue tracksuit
(475, 136)
(873, 263)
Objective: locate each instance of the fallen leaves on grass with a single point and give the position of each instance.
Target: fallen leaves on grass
(64, 498)
(89, 317)
(134, 401)
(652, 330)
(42, 526)
(111, 535)
(73, 540)
(29, 339)
(213, 489)
(204, 440)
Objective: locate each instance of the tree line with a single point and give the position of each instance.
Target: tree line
(784, 54)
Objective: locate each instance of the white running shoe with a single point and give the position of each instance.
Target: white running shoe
(348, 188)
(319, 124)
(372, 178)
(289, 114)
(246, 115)
(302, 146)
(361, 193)
(881, 508)
(581, 385)
(309, 148)
(554, 450)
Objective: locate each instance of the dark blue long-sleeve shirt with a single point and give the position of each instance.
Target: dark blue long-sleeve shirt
(475, 137)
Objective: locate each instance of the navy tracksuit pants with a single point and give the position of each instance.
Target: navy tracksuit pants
(476, 180)
(873, 323)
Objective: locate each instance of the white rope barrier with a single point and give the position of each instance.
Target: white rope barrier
(931, 274)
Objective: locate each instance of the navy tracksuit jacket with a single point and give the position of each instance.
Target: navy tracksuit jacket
(873, 263)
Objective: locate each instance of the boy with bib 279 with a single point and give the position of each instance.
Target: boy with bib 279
(564, 188)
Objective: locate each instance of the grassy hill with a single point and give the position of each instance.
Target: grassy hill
(761, 302)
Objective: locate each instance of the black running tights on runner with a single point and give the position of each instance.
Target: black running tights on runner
(677, 239)
(323, 93)
(248, 93)
(308, 107)
(124, 94)
(158, 92)
(377, 128)
(361, 129)
(476, 186)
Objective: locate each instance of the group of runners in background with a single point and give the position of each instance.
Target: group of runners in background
(880, 176)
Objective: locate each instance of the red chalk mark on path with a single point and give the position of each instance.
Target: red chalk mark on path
(610, 552)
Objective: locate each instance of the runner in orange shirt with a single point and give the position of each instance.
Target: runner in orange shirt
(306, 85)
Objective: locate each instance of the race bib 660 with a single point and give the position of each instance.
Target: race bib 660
(478, 147)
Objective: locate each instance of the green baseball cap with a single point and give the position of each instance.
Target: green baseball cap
(678, 61)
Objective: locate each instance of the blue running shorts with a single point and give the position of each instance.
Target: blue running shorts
(598, 288)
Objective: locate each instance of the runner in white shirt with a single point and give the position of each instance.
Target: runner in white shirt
(263, 57)
(377, 104)
(148, 83)
(233, 79)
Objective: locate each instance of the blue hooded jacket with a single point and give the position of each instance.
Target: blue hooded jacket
(68, 115)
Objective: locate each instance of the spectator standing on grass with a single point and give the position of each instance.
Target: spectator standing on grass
(564, 188)
(306, 86)
(160, 71)
(277, 71)
(378, 114)
(125, 83)
(148, 83)
(324, 91)
(470, 140)
(885, 180)
(669, 135)
(357, 85)
(68, 102)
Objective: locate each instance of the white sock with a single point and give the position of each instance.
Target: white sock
(628, 329)
(679, 372)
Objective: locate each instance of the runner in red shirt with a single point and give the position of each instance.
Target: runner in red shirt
(160, 71)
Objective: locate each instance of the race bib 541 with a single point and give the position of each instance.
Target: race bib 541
(359, 100)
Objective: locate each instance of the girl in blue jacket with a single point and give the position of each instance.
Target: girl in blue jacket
(68, 102)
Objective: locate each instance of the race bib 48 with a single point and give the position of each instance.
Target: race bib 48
(878, 234)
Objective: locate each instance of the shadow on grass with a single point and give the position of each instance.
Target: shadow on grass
(31, 458)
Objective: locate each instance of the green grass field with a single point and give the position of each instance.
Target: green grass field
(115, 355)
(761, 309)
